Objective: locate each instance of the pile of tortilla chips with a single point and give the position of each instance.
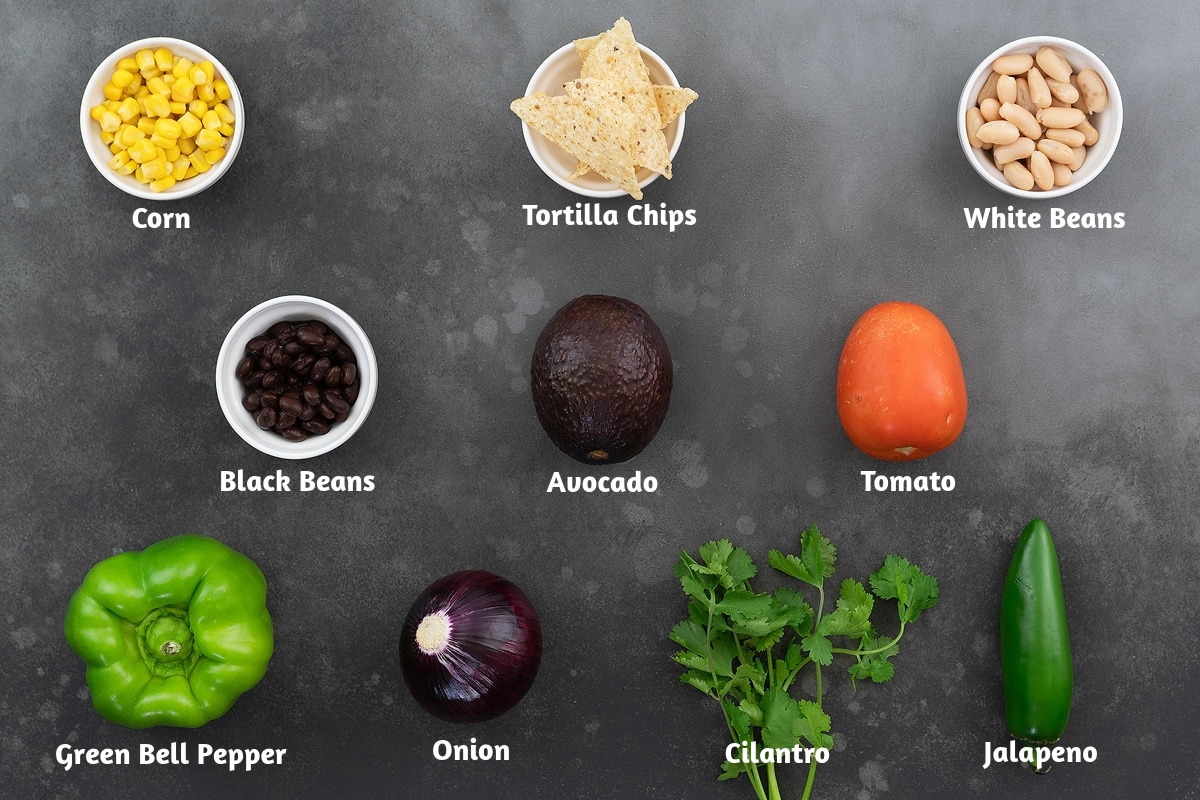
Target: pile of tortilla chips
(611, 118)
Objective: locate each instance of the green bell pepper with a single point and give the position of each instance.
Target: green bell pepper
(171, 635)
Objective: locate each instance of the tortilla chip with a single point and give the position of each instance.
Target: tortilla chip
(583, 47)
(591, 123)
(616, 57)
(671, 101)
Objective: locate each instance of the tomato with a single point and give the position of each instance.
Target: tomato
(900, 388)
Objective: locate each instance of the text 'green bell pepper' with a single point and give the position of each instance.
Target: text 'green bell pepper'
(171, 635)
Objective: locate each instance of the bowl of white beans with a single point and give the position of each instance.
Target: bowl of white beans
(1040, 117)
(162, 119)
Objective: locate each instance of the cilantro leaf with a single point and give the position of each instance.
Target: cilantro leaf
(904, 582)
(818, 648)
(739, 567)
(877, 666)
(852, 617)
(817, 557)
(741, 605)
(699, 680)
(781, 719)
(715, 554)
(814, 724)
(724, 651)
(730, 770)
(799, 612)
(691, 635)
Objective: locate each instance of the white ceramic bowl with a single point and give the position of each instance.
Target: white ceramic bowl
(93, 95)
(562, 66)
(257, 320)
(1107, 122)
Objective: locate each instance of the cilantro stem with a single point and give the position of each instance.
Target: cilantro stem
(877, 650)
(752, 772)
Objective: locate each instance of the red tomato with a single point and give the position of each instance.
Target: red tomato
(900, 388)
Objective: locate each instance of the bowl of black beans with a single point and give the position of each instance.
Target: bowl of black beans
(296, 377)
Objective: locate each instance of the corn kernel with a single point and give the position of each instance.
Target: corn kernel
(119, 160)
(134, 85)
(163, 59)
(199, 163)
(224, 113)
(97, 112)
(209, 139)
(187, 146)
(122, 77)
(115, 148)
(197, 75)
(182, 90)
(107, 138)
(155, 169)
(222, 89)
(142, 151)
(157, 106)
(111, 105)
(159, 152)
(158, 86)
(207, 93)
(128, 64)
(191, 172)
(146, 126)
(168, 128)
(214, 155)
(162, 184)
(209, 70)
(189, 126)
(131, 135)
(179, 168)
(212, 120)
(226, 130)
(141, 176)
(129, 110)
(144, 58)
(112, 91)
(110, 122)
(128, 168)
(198, 108)
(173, 154)
(141, 93)
(152, 72)
(182, 67)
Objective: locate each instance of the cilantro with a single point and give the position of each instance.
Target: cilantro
(746, 650)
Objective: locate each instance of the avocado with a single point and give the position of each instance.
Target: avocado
(601, 379)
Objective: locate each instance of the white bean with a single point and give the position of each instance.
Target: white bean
(1016, 174)
(1053, 64)
(1039, 91)
(1013, 64)
(998, 132)
(1043, 173)
(1092, 90)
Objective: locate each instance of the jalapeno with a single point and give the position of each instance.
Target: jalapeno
(1035, 652)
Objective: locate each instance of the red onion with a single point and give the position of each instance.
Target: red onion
(470, 647)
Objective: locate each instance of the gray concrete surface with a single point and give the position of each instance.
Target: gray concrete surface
(383, 172)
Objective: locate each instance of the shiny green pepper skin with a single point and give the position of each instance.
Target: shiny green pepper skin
(171, 635)
(1035, 651)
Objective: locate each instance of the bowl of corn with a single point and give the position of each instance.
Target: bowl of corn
(162, 119)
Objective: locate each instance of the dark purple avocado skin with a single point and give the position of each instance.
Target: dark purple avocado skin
(601, 379)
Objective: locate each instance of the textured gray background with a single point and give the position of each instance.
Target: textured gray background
(382, 171)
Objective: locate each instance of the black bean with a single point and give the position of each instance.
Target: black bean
(293, 348)
(291, 405)
(351, 392)
(271, 379)
(244, 368)
(335, 401)
(279, 327)
(293, 434)
(255, 346)
(285, 421)
(333, 378)
(252, 401)
(254, 379)
(331, 343)
(315, 426)
(270, 399)
(302, 363)
(345, 354)
(310, 337)
(311, 394)
(325, 411)
(307, 413)
(319, 369)
(265, 418)
(342, 416)
(269, 348)
(349, 374)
